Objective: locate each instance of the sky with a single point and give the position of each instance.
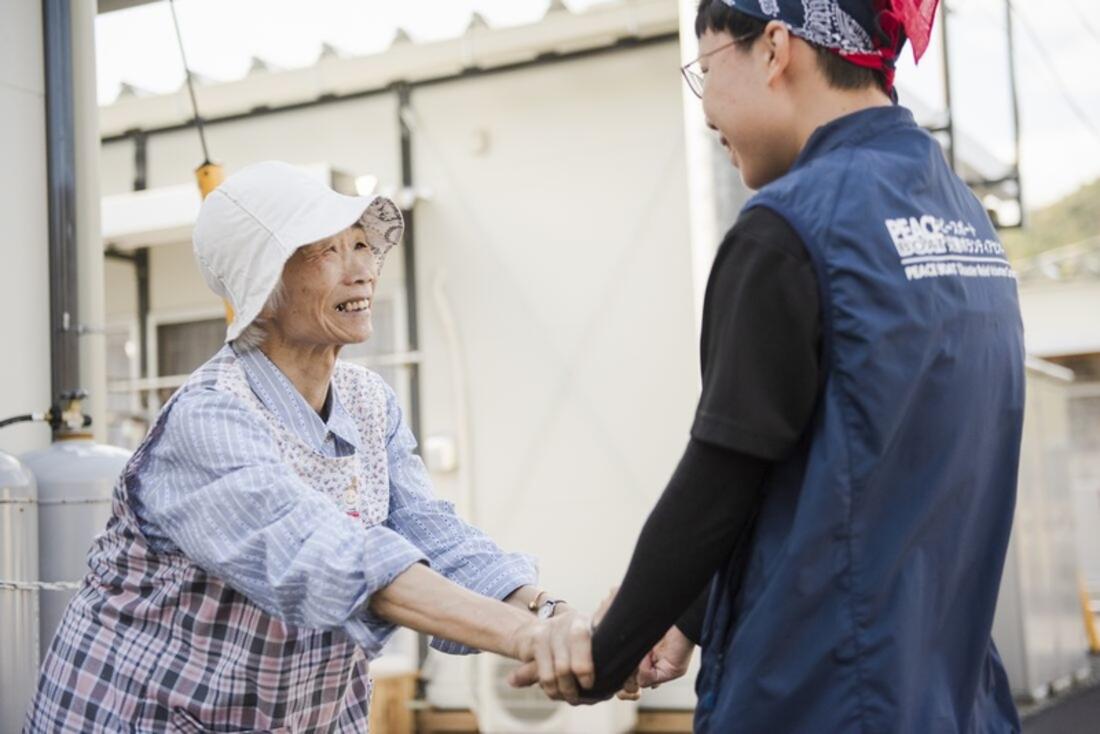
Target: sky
(1057, 60)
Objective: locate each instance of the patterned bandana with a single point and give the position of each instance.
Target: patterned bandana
(868, 33)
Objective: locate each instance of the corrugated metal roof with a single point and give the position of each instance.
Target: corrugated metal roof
(335, 72)
(109, 6)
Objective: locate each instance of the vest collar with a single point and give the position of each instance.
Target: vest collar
(853, 129)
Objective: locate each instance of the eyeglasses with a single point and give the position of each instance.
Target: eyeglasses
(693, 72)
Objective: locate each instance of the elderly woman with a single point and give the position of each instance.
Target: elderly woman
(276, 523)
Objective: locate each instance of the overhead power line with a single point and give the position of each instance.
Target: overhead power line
(1085, 22)
(1048, 61)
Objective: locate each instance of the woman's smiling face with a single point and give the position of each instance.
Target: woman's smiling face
(329, 290)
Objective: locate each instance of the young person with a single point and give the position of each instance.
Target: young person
(849, 484)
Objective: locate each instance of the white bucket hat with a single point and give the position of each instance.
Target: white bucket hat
(253, 222)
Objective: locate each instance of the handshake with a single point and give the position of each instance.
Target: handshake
(556, 654)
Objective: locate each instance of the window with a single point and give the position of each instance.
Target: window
(126, 420)
(183, 347)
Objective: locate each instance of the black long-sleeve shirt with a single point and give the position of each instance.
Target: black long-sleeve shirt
(760, 365)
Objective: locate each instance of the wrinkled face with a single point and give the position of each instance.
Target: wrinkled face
(742, 106)
(329, 289)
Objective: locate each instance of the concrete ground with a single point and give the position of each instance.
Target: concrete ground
(1076, 711)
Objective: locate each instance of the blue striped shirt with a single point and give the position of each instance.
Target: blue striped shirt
(213, 487)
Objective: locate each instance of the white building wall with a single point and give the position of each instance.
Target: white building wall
(176, 286)
(24, 279)
(1037, 627)
(120, 294)
(116, 172)
(559, 221)
(1061, 319)
(559, 224)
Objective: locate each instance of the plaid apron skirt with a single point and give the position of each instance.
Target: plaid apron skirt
(152, 643)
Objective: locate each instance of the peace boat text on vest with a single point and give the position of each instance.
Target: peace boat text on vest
(931, 247)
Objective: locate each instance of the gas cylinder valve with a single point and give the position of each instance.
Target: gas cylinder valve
(67, 414)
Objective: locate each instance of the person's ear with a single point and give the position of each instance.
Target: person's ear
(777, 42)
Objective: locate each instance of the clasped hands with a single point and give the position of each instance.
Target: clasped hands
(557, 655)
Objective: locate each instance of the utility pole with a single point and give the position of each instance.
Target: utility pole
(949, 124)
(1007, 186)
(1015, 102)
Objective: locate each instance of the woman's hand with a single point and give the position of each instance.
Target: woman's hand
(558, 656)
(422, 600)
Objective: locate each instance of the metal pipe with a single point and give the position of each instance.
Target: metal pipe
(141, 275)
(141, 162)
(408, 249)
(61, 186)
(113, 253)
(140, 259)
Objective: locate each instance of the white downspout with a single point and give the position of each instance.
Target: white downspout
(93, 343)
(699, 151)
(466, 504)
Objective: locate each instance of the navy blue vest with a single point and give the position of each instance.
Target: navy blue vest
(863, 601)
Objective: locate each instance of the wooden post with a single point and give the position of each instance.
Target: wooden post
(1090, 618)
(390, 712)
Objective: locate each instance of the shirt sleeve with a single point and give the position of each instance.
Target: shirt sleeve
(760, 340)
(704, 513)
(457, 550)
(691, 621)
(215, 486)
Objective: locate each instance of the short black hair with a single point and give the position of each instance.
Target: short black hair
(717, 17)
